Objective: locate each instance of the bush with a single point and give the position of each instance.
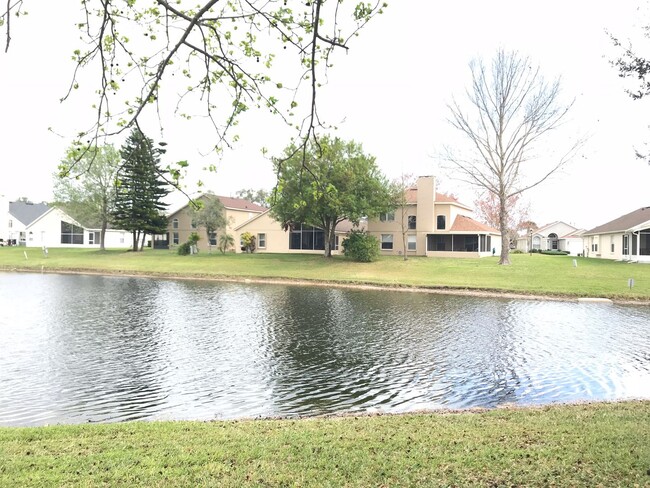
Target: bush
(184, 249)
(555, 253)
(516, 251)
(248, 242)
(361, 246)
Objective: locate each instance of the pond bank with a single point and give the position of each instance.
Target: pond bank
(438, 290)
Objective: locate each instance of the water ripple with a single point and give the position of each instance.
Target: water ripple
(103, 349)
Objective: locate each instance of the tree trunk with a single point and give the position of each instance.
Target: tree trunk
(328, 230)
(136, 239)
(102, 235)
(144, 237)
(503, 228)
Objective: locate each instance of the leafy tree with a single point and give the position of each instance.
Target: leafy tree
(400, 189)
(210, 214)
(260, 197)
(487, 210)
(248, 242)
(634, 66)
(511, 107)
(89, 196)
(218, 51)
(140, 189)
(226, 241)
(340, 182)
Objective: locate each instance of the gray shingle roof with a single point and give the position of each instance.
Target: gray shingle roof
(623, 223)
(27, 212)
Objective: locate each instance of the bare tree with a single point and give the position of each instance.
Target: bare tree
(511, 108)
(400, 189)
(216, 54)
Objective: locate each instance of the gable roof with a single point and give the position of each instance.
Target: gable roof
(230, 203)
(27, 212)
(624, 223)
(463, 223)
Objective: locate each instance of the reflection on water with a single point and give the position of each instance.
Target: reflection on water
(88, 348)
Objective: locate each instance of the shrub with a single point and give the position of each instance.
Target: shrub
(361, 246)
(248, 242)
(516, 251)
(555, 253)
(184, 249)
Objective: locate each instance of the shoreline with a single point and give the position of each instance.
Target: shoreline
(442, 290)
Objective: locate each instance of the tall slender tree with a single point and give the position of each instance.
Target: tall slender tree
(140, 189)
(211, 215)
(511, 108)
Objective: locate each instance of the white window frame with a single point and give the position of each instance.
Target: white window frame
(412, 242)
(386, 240)
(387, 217)
(175, 238)
(261, 241)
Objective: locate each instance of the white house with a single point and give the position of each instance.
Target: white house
(37, 225)
(625, 238)
(557, 236)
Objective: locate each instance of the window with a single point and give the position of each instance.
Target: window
(261, 241)
(626, 245)
(387, 216)
(121, 237)
(441, 222)
(175, 239)
(11, 223)
(175, 224)
(594, 247)
(412, 222)
(612, 245)
(387, 242)
(71, 234)
(306, 238)
(412, 243)
(213, 238)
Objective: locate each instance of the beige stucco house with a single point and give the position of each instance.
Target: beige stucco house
(436, 225)
(300, 239)
(557, 236)
(625, 238)
(179, 227)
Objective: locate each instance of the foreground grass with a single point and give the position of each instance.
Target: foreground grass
(536, 274)
(576, 445)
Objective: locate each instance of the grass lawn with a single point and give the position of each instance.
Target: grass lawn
(530, 274)
(578, 445)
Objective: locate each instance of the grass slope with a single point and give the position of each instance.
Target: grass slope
(536, 274)
(576, 445)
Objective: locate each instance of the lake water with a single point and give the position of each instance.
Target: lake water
(102, 349)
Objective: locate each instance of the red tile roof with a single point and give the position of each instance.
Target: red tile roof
(462, 223)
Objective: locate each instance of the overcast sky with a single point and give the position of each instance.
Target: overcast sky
(388, 93)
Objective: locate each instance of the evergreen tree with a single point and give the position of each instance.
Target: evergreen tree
(140, 189)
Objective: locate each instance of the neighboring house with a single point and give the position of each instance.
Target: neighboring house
(37, 225)
(625, 238)
(557, 236)
(437, 225)
(179, 228)
(301, 239)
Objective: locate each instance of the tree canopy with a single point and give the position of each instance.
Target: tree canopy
(337, 181)
(224, 56)
(89, 197)
(140, 189)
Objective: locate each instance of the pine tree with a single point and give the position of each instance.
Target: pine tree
(140, 189)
